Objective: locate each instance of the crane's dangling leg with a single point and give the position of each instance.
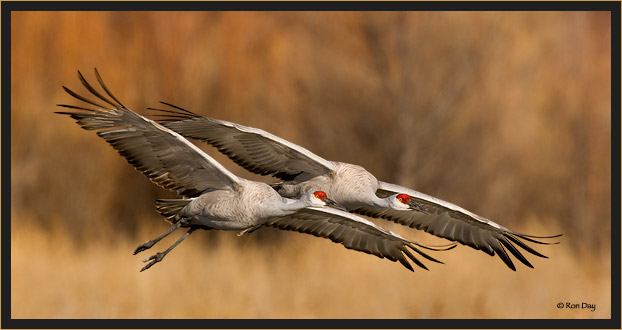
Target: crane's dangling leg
(249, 230)
(160, 255)
(150, 243)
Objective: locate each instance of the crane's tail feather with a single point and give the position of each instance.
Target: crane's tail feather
(169, 208)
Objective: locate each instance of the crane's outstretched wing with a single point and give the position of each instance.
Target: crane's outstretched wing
(354, 233)
(454, 223)
(164, 156)
(254, 149)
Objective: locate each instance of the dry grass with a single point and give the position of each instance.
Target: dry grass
(299, 277)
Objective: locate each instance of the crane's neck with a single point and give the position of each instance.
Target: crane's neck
(292, 205)
(381, 202)
(363, 200)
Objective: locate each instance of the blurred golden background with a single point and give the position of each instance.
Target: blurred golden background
(506, 114)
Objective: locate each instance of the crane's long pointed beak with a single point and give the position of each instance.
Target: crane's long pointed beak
(417, 207)
(332, 203)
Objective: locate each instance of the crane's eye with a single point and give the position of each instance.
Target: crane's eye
(319, 195)
(403, 198)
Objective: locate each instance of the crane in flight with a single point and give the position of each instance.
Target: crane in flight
(349, 185)
(214, 198)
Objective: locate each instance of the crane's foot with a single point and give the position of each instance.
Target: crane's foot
(154, 260)
(145, 246)
(150, 243)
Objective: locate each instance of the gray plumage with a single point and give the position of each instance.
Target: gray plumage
(349, 185)
(214, 198)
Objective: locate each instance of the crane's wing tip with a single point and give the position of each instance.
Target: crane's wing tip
(414, 248)
(533, 236)
(442, 247)
(536, 239)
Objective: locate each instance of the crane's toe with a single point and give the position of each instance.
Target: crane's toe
(154, 259)
(144, 246)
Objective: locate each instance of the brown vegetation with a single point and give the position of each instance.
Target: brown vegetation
(506, 114)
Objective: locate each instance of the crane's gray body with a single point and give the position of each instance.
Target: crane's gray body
(349, 185)
(246, 205)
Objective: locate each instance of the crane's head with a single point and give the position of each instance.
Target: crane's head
(319, 198)
(406, 203)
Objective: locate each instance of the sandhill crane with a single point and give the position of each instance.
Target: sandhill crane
(215, 198)
(349, 185)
